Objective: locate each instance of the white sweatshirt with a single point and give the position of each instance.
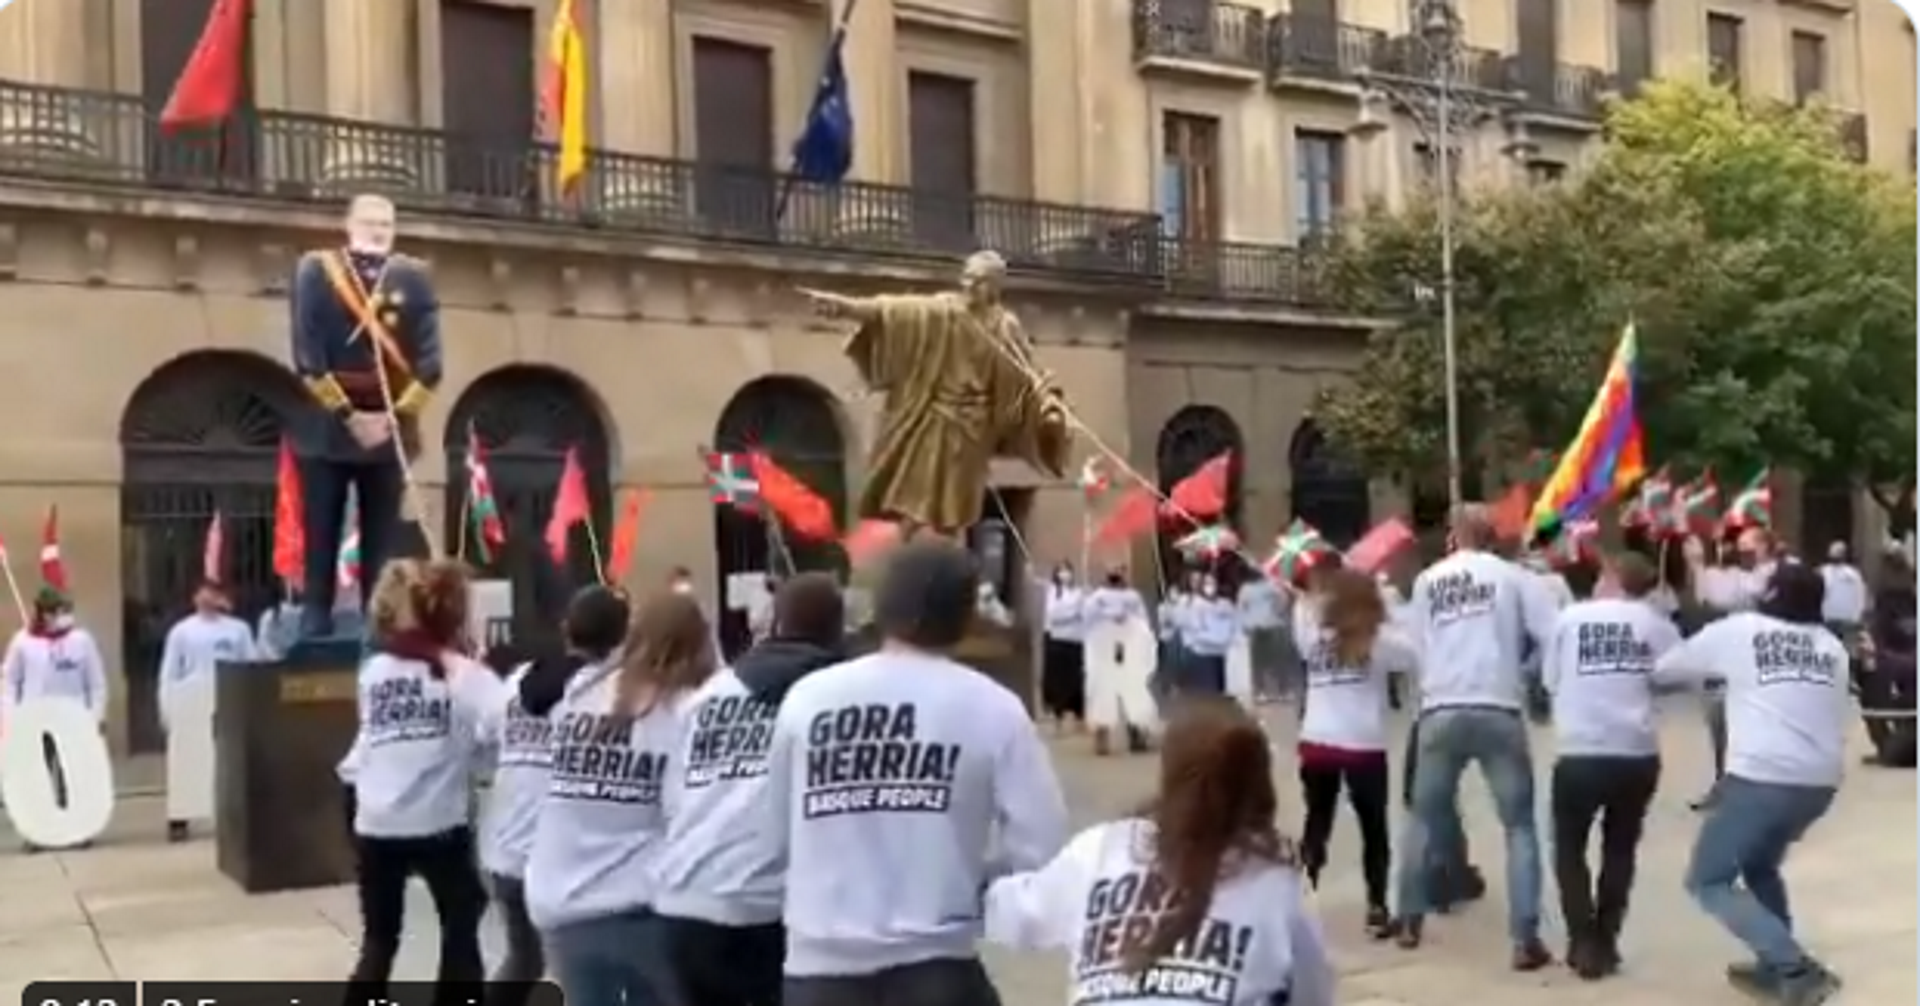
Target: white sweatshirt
(525, 759)
(898, 774)
(1846, 599)
(1347, 707)
(419, 744)
(1065, 620)
(722, 861)
(68, 667)
(1259, 943)
(1599, 669)
(602, 822)
(1111, 606)
(195, 648)
(1473, 613)
(1787, 696)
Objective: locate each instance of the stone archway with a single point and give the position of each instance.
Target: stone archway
(798, 423)
(199, 436)
(527, 417)
(1329, 492)
(1191, 437)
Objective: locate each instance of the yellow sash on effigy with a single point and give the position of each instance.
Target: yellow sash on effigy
(360, 301)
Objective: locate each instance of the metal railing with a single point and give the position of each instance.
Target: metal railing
(1574, 92)
(1410, 57)
(83, 137)
(1233, 271)
(1212, 31)
(1319, 48)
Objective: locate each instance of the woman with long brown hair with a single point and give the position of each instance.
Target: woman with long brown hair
(423, 704)
(590, 881)
(1197, 899)
(1349, 662)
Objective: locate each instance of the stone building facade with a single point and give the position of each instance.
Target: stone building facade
(1152, 168)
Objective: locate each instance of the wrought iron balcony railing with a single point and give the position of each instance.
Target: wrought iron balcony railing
(61, 136)
(1232, 271)
(1312, 48)
(1410, 57)
(1559, 89)
(1206, 31)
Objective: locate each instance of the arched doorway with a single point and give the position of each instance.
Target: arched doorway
(199, 436)
(1329, 492)
(526, 417)
(1193, 436)
(1826, 514)
(798, 424)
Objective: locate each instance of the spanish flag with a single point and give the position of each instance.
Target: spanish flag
(1607, 458)
(563, 101)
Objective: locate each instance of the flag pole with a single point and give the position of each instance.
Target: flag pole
(13, 587)
(593, 546)
(834, 41)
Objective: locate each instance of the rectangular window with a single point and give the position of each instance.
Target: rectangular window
(1723, 49)
(1809, 66)
(1319, 183)
(940, 151)
(734, 185)
(1427, 156)
(1633, 42)
(1189, 176)
(1542, 172)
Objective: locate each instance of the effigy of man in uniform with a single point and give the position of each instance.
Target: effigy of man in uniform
(366, 339)
(961, 387)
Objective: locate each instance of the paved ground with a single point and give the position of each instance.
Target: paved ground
(135, 908)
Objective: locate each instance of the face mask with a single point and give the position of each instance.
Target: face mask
(1209, 589)
(62, 621)
(682, 587)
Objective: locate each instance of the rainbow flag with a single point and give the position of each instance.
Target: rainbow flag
(1606, 458)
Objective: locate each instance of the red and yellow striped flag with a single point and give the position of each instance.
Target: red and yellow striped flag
(563, 101)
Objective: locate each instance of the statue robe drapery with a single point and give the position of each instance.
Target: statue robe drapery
(954, 400)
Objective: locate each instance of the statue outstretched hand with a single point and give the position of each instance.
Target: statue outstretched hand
(829, 305)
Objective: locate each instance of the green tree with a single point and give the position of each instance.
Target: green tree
(1771, 280)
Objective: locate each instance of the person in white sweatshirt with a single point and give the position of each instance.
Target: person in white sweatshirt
(722, 874)
(53, 658)
(1344, 729)
(194, 649)
(594, 628)
(423, 707)
(592, 869)
(1845, 607)
(1212, 624)
(1598, 670)
(1063, 687)
(905, 778)
(1196, 901)
(1789, 711)
(1475, 614)
(1114, 602)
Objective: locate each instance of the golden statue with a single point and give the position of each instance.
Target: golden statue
(961, 387)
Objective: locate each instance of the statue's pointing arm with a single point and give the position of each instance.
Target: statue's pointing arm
(311, 359)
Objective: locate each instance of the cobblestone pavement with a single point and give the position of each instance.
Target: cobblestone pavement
(133, 907)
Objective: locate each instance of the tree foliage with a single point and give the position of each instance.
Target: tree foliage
(1771, 280)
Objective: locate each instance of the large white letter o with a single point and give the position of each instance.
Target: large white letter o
(27, 780)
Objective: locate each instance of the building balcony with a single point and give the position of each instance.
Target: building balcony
(55, 136)
(1319, 51)
(1409, 58)
(1196, 34)
(1248, 273)
(1560, 90)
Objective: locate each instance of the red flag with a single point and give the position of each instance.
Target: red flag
(795, 505)
(570, 506)
(626, 536)
(209, 87)
(1203, 494)
(289, 520)
(868, 539)
(1135, 515)
(212, 556)
(53, 568)
(1378, 547)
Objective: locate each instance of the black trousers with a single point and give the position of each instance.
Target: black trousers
(1616, 791)
(715, 965)
(376, 488)
(525, 963)
(927, 983)
(1063, 678)
(446, 862)
(1368, 785)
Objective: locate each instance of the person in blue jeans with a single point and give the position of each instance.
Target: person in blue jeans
(1788, 712)
(1473, 615)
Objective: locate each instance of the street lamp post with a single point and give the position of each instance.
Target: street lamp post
(1433, 90)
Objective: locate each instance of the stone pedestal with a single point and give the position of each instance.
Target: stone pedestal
(279, 732)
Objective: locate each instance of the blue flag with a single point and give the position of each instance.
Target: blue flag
(824, 151)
